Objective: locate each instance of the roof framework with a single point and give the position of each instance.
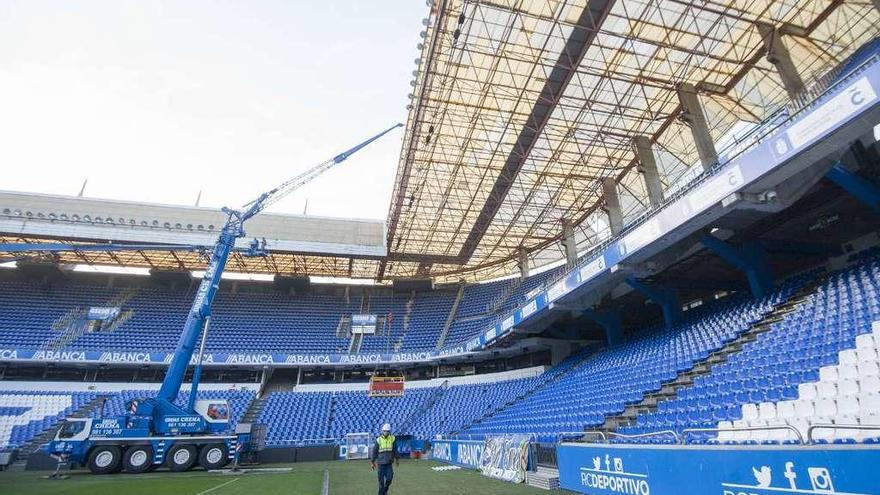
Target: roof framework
(288, 264)
(522, 107)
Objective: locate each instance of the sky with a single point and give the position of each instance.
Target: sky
(156, 101)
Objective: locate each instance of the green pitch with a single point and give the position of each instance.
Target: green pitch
(345, 478)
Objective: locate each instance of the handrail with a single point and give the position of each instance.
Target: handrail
(797, 432)
(829, 426)
(649, 434)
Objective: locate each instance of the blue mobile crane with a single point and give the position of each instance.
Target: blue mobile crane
(156, 430)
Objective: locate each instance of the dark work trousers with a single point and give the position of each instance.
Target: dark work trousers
(386, 473)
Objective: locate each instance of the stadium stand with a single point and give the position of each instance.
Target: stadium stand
(606, 382)
(24, 415)
(818, 365)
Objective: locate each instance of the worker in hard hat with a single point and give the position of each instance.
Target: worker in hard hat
(384, 453)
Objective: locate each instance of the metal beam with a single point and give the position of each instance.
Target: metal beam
(692, 114)
(665, 297)
(581, 38)
(648, 168)
(865, 191)
(750, 259)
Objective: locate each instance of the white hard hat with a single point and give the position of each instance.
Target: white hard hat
(386, 427)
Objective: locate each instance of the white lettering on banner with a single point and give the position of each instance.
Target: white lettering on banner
(556, 291)
(617, 481)
(711, 192)
(491, 334)
(125, 357)
(8, 354)
(206, 358)
(360, 358)
(642, 235)
(592, 268)
(507, 323)
(250, 359)
(529, 308)
(307, 359)
(60, 356)
(831, 113)
(442, 451)
(411, 356)
(470, 454)
(819, 477)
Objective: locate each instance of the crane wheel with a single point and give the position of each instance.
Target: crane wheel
(105, 459)
(214, 456)
(182, 457)
(137, 459)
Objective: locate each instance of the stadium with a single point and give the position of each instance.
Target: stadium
(628, 247)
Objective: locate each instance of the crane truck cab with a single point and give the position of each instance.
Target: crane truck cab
(134, 442)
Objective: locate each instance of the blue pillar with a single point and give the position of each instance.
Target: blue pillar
(862, 189)
(750, 259)
(611, 321)
(666, 298)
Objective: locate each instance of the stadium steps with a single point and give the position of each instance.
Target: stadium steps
(453, 312)
(424, 408)
(669, 390)
(558, 372)
(254, 409)
(26, 450)
(545, 478)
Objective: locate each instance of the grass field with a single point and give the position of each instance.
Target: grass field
(345, 478)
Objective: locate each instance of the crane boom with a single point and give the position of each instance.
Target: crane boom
(233, 229)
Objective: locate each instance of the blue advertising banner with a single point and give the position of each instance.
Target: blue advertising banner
(464, 453)
(755, 470)
(241, 359)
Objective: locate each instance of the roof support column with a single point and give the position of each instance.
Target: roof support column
(523, 263)
(665, 297)
(778, 55)
(692, 114)
(648, 169)
(609, 320)
(612, 205)
(865, 191)
(568, 243)
(750, 259)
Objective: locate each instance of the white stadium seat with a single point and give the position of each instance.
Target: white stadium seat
(807, 391)
(869, 369)
(828, 374)
(742, 435)
(869, 404)
(804, 409)
(826, 408)
(826, 390)
(849, 356)
(847, 372)
(844, 432)
(869, 384)
(725, 436)
(785, 409)
(758, 435)
(847, 388)
(848, 406)
(867, 355)
(801, 424)
(767, 411)
(864, 341)
(750, 412)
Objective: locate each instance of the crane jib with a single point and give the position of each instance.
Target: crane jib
(201, 307)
